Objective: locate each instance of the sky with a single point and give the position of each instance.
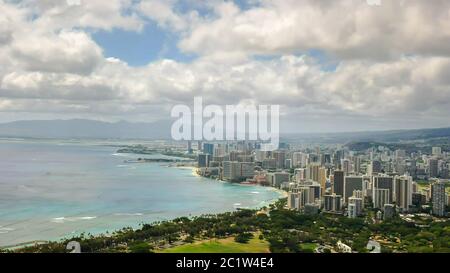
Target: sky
(331, 65)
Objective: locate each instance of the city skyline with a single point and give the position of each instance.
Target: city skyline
(332, 66)
(226, 127)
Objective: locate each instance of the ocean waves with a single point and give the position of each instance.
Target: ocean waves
(72, 219)
(4, 230)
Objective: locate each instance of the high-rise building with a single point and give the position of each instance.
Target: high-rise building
(300, 196)
(231, 170)
(291, 202)
(411, 167)
(389, 211)
(418, 199)
(381, 197)
(208, 148)
(338, 183)
(352, 183)
(219, 150)
(403, 192)
(338, 155)
(444, 172)
(351, 209)
(346, 166)
(300, 174)
(314, 187)
(400, 167)
(296, 159)
(234, 155)
(277, 178)
(260, 155)
(367, 186)
(438, 198)
(189, 147)
(357, 164)
(280, 157)
(308, 195)
(247, 169)
(269, 163)
(299, 160)
(332, 203)
(242, 145)
(433, 169)
(374, 168)
(355, 206)
(322, 178)
(203, 160)
(314, 159)
(382, 190)
(288, 163)
(245, 158)
(436, 151)
(327, 159)
(360, 194)
(313, 172)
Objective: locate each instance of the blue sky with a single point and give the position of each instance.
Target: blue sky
(140, 48)
(154, 43)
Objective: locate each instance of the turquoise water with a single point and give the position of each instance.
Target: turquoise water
(55, 189)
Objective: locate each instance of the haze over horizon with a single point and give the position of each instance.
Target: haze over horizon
(83, 128)
(332, 66)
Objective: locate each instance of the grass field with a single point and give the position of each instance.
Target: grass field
(227, 245)
(308, 246)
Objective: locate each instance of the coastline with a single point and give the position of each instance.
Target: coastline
(281, 194)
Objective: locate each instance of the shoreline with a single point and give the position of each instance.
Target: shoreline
(20, 245)
(281, 193)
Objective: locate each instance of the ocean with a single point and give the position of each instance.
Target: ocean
(54, 189)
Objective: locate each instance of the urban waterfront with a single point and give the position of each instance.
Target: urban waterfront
(53, 189)
(225, 126)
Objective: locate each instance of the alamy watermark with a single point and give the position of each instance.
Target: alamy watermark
(235, 122)
(74, 247)
(373, 2)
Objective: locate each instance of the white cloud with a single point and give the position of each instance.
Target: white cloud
(346, 29)
(162, 12)
(66, 51)
(407, 87)
(98, 14)
(386, 71)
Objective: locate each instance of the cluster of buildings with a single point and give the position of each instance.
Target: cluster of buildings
(228, 162)
(336, 179)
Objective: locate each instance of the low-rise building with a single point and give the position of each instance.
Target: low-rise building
(389, 211)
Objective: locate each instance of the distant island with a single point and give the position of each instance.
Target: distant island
(157, 160)
(143, 150)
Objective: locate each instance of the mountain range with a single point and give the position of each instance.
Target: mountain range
(82, 128)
